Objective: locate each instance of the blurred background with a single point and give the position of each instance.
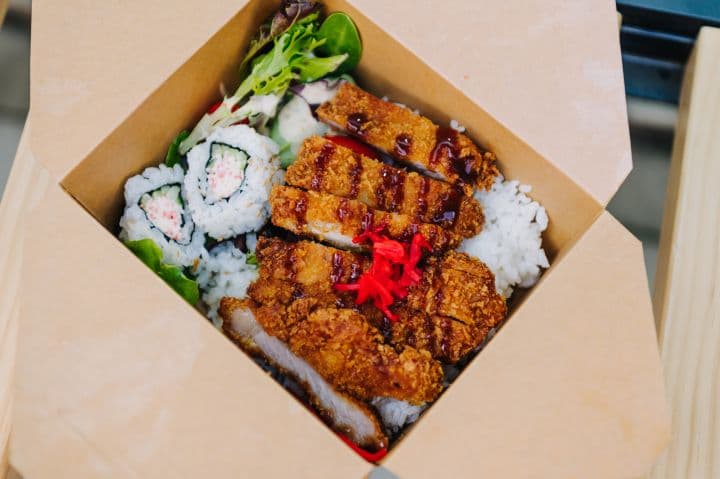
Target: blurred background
(656, 41)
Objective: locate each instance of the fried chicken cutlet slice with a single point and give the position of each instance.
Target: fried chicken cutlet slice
(289, 271)
(351, 354)
(338, 220)
(342, 412)
(326, 167)
(409, 137)
(461, 287)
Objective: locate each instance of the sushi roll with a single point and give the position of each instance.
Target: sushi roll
(156, 209)
(229, 179)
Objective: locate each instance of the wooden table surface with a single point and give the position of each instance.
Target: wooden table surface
(687, 284)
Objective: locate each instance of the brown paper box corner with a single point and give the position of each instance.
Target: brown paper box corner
(117, 377)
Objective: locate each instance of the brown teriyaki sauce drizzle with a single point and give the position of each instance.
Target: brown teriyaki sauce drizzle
(403, 143)
(355, 123)
(446, 139)
(343, 210)
(422, 204)
(355, 176)
(447, 211)
(337, 268)
(391, 191)
(300, 212)
(368, 221)
(321, 161)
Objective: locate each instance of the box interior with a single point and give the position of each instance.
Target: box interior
(386, 68)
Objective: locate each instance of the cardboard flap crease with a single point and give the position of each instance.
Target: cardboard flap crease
(140, 376)
(557, 389)
(118, 377)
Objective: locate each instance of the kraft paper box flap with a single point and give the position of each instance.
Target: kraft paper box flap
(571, 386)
(96, 298)
(124, 368)
(106, 68)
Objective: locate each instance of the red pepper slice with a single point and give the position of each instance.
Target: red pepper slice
(354, 145)
(244, 121)
(367, 455)
(213, 108)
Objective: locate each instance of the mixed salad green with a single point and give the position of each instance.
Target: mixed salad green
(293, 62)
(151, 254)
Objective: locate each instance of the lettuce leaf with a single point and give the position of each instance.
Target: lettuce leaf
(290, 12)
(151, 254)
(291, 58)
(173, 156)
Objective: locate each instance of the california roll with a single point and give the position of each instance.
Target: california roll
(156, 209)
(229, 179)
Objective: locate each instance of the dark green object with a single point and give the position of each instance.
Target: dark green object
(341, 36)
(173, 157)
(151, 254)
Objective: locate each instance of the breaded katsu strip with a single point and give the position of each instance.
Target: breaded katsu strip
(311, 268)
(409, 137)
(323, 166)
(337, 220)
(351, 354)
(460, 287)
(289, 271)
(342, 412)
(446, 339)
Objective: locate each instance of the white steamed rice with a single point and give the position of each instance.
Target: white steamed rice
(135, 225)
(247, 209)
(224, 271)
(511, 240)
(396, 414)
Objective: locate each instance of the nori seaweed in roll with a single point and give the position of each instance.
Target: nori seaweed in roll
(155, 209)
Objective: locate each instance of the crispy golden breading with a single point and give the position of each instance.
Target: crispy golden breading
(343, 413)
(292, 271)
(313, 268)
(350, 354)
(337, 220)
(409, 137)
(323, 166)
(446, 339)
(460, 287)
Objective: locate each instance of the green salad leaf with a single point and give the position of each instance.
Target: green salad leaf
(341, 37)
(291, 58)
(173, 156)
(290, 12)
(151, 254)
(184, 286)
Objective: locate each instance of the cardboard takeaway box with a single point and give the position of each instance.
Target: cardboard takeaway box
(116, 376)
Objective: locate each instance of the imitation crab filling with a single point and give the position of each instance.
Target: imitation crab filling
(225, 171)
(164, 208)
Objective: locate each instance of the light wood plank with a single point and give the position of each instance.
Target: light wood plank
(687, 287)
(26, 184)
